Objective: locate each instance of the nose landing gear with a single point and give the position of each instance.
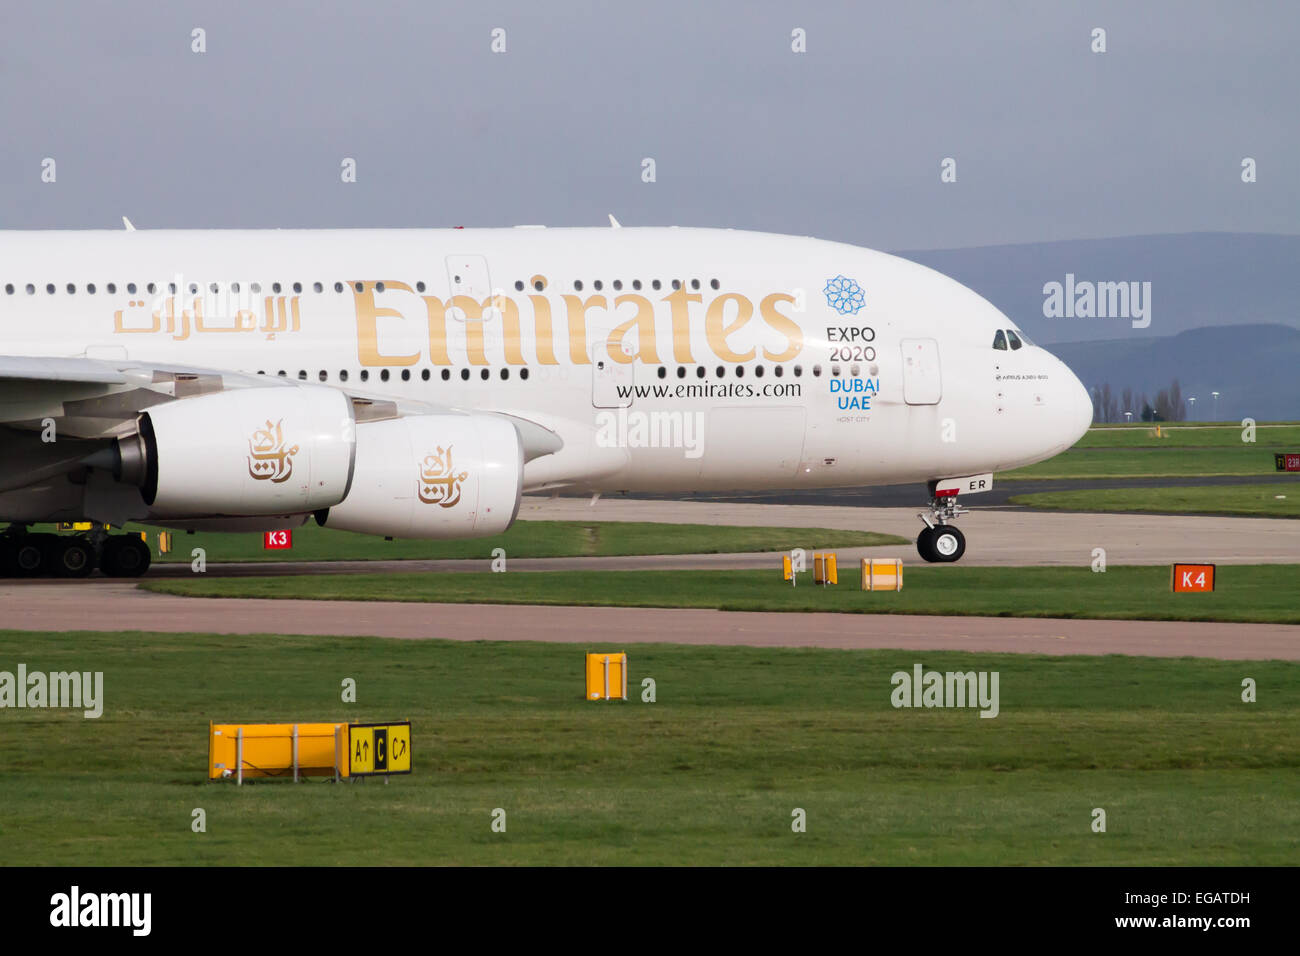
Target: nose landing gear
(939, 541)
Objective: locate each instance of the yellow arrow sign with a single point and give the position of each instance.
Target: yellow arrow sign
(379, 749)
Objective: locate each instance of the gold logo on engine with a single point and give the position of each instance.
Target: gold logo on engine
(439, 482)
(268, 457)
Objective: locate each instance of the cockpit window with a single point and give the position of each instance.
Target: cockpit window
(1000, 341)
(1014, 339)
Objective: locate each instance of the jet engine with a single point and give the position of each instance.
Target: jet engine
(433, 476)
(253, 451)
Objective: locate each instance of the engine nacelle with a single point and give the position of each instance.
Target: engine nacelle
(253, 451)
(433, 476)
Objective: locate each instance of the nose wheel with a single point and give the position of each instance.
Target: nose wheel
(941, 544)
(939, 541)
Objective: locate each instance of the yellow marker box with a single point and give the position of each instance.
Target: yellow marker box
(882, 574)
(273, 750)
(825, 570)
(606, 677)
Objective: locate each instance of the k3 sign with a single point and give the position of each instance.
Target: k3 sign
(277, 540)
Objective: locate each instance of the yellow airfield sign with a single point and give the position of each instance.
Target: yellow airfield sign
(375, 749)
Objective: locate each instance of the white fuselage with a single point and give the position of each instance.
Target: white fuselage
(666, 359)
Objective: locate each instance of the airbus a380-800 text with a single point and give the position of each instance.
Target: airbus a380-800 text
(415, 383)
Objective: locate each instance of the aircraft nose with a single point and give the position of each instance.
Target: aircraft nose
(1078, 407)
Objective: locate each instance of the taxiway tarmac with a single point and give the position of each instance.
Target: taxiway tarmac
(113, 605)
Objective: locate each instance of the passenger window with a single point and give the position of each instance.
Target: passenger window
(1000, 341)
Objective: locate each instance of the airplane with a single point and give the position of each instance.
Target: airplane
(414, 383)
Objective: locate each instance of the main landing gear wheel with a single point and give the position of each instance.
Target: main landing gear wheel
(125, 556)
(71, 558)
(27, 558)
(942, 544)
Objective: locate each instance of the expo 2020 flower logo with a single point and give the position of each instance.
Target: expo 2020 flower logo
(844, 295)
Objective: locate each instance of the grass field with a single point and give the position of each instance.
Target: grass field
(708, 774)
(1276, 500)
(525, 539)
(1130, 451)
(1189, 435)
(1265, 593)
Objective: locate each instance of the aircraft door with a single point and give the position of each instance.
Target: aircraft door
(468, 276)
(922, 378)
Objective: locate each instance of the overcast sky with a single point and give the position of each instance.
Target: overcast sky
(845, 141)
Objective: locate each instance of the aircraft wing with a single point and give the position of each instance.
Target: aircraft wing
(82, 370)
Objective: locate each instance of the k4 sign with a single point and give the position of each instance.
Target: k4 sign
(277, 540)
(1193, 577)
(379, 749)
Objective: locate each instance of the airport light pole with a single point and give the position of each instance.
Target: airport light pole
(1192, 401)
(1216, 405)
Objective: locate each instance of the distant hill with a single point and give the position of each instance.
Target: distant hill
(1197, 280)
(1255, 368)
